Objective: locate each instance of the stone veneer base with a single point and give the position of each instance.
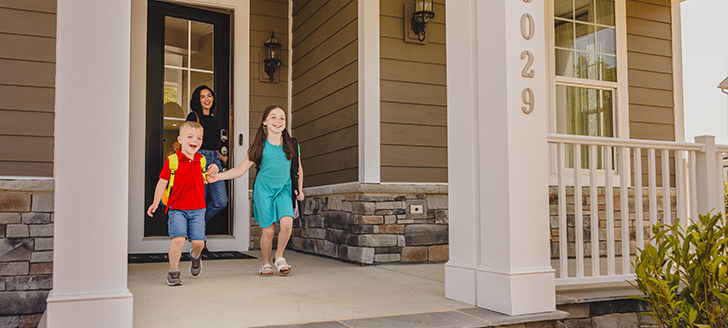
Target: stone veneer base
(26, 249)
(372, 223)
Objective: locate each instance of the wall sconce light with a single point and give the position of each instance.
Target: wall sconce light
(723, 86)
(272, 58)
(422, 15)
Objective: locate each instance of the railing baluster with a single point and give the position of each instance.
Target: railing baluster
(639, 222)
(594, 210)
(651, 177)
(693, 186)
(624, 206)
(563, 256)
(609, 196)
(680, 194)
(666, 199)
(578, 213)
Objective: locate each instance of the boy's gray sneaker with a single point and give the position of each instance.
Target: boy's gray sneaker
(195, 264)
(173, 278)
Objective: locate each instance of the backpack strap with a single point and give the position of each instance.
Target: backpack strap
(203, 164)
(173, 164)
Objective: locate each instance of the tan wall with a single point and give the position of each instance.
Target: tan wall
(266, 16)
(325, 100)
(413, 99)
(649, 45)
(27, 86)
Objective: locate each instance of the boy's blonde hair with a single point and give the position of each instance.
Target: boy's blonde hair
(190, 125)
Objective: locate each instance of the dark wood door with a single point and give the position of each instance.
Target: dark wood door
(186, 47)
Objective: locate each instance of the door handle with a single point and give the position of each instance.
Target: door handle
(240, 139)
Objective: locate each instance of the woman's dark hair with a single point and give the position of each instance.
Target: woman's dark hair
(255, 153)
(195, 100)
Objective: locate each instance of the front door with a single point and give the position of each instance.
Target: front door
(186, 47)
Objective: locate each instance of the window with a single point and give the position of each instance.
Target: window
(585, 67)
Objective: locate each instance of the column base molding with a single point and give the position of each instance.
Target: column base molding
(460, 283)
(113, 308)
(517, 291)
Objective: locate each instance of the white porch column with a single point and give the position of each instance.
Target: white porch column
(91, 165)
(369, 93)
(709, 177)
(497, 157)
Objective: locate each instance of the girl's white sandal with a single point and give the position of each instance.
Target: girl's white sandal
(283, 268)
(266, 270)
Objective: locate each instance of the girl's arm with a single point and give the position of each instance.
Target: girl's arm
(233, 173)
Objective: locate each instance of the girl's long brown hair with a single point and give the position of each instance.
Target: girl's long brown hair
(255, 153)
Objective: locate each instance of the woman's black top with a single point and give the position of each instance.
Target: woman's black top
(211, 136)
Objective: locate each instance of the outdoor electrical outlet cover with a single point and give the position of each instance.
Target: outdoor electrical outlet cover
(416, 208)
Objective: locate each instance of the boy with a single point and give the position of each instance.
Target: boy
(186, 199)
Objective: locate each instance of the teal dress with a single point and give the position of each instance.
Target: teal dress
(272, 199)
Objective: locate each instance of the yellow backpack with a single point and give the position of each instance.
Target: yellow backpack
(173, 164)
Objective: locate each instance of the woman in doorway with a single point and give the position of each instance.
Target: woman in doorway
(275, 155)
(202, 103)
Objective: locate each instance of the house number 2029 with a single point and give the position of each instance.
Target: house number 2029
(528, 29)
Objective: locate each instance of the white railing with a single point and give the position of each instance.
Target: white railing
(611, 171)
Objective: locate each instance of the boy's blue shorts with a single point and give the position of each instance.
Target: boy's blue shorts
(187, 223)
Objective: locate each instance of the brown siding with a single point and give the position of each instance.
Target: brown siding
(27, 86)
(649, 47)
(325, 89)
(266, 16)
(413, 99)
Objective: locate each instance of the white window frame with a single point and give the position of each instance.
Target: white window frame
(620, 88)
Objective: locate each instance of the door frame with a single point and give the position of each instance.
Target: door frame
(239, 90)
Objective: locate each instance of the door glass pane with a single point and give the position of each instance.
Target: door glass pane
(175, 105)
(175, 42)
(202, 37)
(200, 78)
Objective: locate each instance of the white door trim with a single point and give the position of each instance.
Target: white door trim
(240, 89)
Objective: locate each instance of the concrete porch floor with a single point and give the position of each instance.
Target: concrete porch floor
(321, 292)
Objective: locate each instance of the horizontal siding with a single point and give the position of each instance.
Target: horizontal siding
(27, 86)
(649, 58)
(413, 99)
(266, 16)
(324, 90)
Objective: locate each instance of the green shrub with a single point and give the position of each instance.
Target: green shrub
(683, 274)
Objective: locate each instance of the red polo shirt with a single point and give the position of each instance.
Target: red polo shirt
(188, 190)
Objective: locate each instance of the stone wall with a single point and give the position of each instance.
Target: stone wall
(26, 250)
(372, 223)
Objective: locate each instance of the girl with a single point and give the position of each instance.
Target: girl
(271, 152)
(202, 103)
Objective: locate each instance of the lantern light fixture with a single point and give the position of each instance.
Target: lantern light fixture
(421, 15)
(272, 56)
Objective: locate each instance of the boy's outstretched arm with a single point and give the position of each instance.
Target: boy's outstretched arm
(158, 192)
(233, 173)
